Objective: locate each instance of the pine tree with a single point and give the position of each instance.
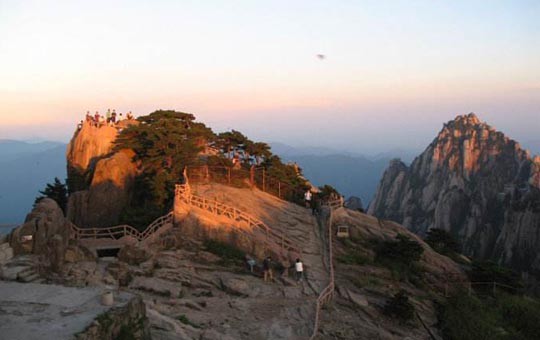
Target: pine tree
(56, 191)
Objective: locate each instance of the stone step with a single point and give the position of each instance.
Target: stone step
(4, 246)
(29, 278)
(23, 274)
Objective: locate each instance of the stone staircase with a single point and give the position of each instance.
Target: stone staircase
(24, 268)
(6, 252)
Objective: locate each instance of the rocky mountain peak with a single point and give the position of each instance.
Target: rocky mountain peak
(475, 182)
(466, 144)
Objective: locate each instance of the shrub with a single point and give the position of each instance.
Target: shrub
(399, 307)
(403, 250)
(489, 271)
(353, 258)
(505, 317)
(465, 317)
(442, 241)
(186, 321)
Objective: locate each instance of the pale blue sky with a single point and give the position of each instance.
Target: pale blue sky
(394, 72)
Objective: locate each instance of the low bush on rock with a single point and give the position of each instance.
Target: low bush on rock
(399, 307)
(401, 256)
(504, 317)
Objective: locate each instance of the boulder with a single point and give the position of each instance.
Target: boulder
(357, 299)
(45, 232)
(134, 254)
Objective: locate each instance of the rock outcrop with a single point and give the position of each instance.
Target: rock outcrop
(354, 203)
(46, 232)
(99, 178)
(474, 182)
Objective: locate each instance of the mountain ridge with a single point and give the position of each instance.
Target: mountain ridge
(474, 182)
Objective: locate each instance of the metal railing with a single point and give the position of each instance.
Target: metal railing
(328, 292)
(241, 177)
(183, 192)
(120, 231)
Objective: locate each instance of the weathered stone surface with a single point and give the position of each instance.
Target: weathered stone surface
(474, 182)
(88, 145)
(76, 254)
(108, 194)
(134, 254)
(354, 203)
(36, 311)
(156, 286)
(357, 299)
(45, 232)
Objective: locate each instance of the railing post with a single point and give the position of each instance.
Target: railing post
(264, 180)
(279, 189)
(206, 173)
(229, 175)
(252, 175)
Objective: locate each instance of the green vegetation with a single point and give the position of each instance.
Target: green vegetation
(399, 307)
(504, 317)
(403, 250)
(328, 192)
(165, 142)
(56, 191)
(442, 241)
(228, 253)
(184, 319)
(354, 258)
(401, 257)
(489, 271)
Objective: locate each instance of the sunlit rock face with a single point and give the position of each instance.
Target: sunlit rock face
(102, 178)
(475, 182)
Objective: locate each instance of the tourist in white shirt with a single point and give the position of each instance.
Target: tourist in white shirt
(299, 268)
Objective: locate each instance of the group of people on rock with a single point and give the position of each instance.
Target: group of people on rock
(111, 118)
(268, 268)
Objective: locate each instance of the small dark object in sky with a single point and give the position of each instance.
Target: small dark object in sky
(321, 56)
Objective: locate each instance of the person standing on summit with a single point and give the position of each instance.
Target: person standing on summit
(307, 198)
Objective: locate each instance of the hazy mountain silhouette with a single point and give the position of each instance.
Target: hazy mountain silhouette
(25, 168)
(353, 174)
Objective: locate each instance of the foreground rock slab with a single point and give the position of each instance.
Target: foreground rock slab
(36, 311)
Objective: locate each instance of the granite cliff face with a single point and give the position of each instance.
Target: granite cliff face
(474, 182)
(100, 180)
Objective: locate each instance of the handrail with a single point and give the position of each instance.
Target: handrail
(119, 231)
(469, 285)
(328, 292)
(183, 191)
(257, 178)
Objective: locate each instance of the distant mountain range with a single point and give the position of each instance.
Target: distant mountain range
(26, 168)
(352, 174)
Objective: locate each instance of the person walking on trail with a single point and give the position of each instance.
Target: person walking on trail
(250, 263)
(299, 268)
(315, 204)
(267, 269)
(307, 198)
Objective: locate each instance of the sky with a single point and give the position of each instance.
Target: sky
(393, 72)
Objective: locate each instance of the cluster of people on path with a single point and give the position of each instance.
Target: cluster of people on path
(268, 268)
(111, 118)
